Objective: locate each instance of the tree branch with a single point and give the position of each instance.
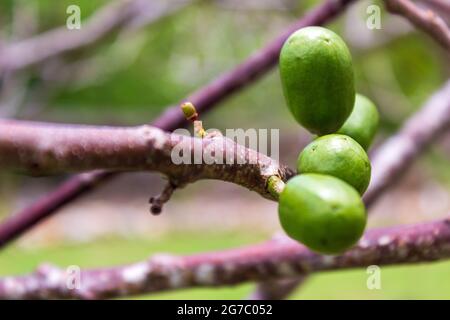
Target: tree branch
(267, 261)
(394, 156)
(204, 99)
(426, 20)
(441, 5)
(158, 201)
(42, 148)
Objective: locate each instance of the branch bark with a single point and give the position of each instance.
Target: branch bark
(204, 99)
(42, 148)
(441, 5)
(267, 261)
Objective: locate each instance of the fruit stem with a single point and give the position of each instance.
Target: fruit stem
(198, 129)
(275, 186)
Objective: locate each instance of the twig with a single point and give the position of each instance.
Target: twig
(267, 261)
(426, 20)
(204, 99)
(442, 5)
(158, 201)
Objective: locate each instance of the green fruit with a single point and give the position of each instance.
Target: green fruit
(322, 212)
(317, 77)
(337, 155)
(363, 122)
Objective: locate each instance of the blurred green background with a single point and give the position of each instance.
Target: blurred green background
(133, 75)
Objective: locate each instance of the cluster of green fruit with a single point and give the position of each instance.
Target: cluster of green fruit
(322, 206)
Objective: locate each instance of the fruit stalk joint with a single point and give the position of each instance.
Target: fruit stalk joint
(275, 186)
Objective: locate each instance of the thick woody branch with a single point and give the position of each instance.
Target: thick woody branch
(204, 99)
(39, 148)
(426, 20)
(268, 261)
(114, 16)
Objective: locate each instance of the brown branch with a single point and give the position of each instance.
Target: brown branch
(41, 148)
(107, 20)
(442, 5)
(426, 20)
(390, 161)
(204, 99)
(267, 261)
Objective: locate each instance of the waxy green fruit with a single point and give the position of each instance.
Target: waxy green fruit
(362, 124)
(322, 212)
(317, 77)
(339, 156)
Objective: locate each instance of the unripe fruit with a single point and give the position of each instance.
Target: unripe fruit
(322, 212)
(339, 156)
(317, 77)
(363, 122)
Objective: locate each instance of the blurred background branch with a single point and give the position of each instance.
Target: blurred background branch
(426, 20)
(441, 6)
(119, 14)
(270, 260)
(48, 51)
